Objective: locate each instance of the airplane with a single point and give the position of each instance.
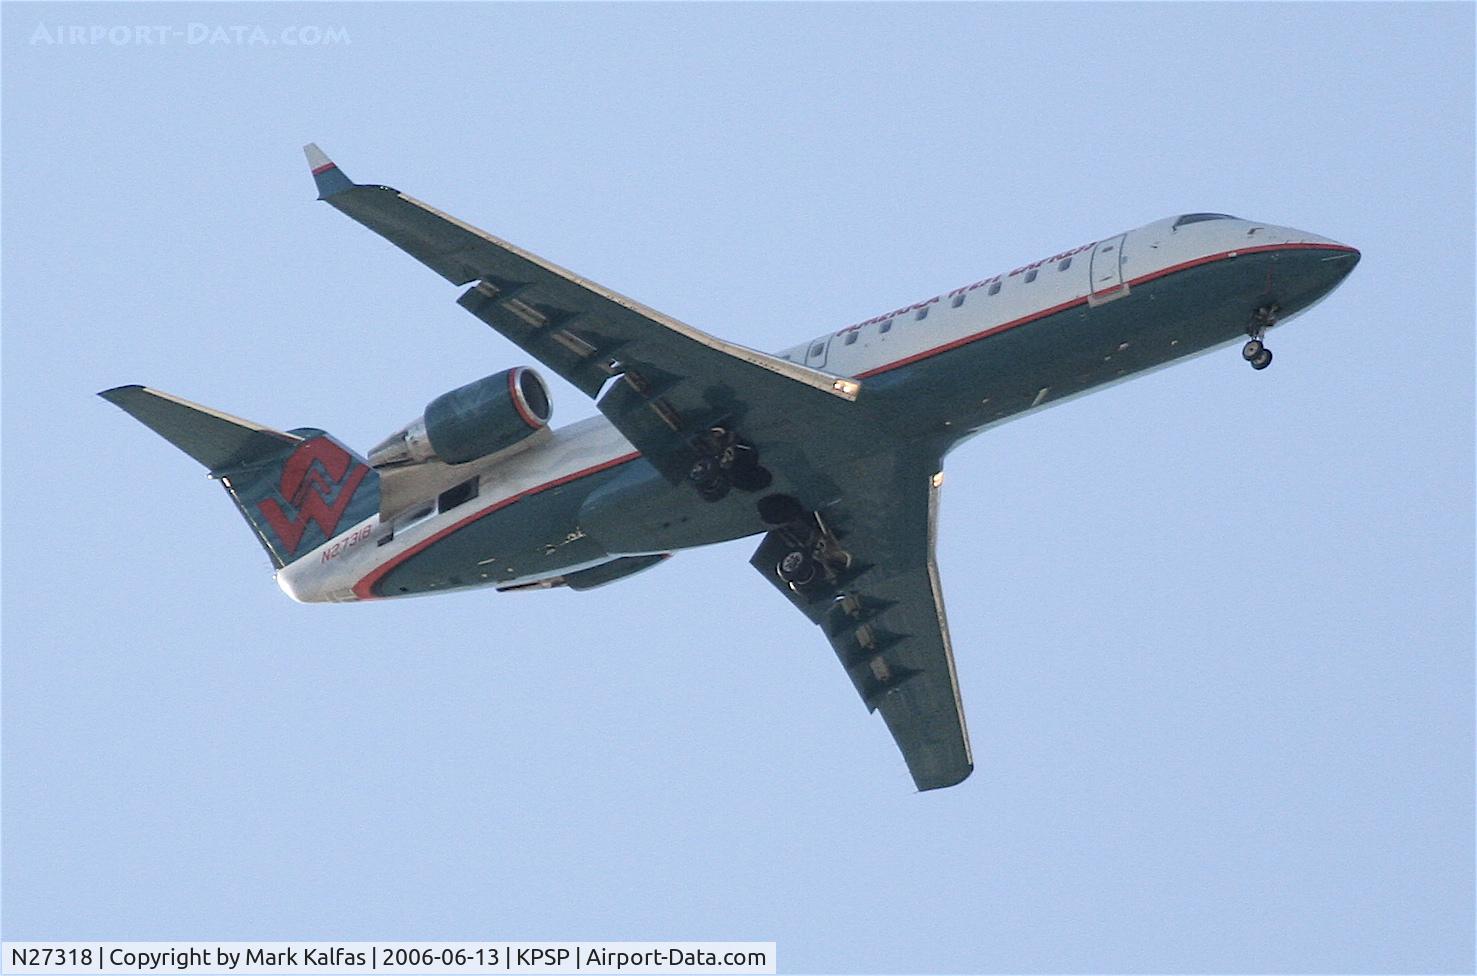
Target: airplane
(832, 450)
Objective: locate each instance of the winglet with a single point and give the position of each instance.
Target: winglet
(330, 179)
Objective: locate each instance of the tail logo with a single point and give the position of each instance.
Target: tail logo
(318, 482)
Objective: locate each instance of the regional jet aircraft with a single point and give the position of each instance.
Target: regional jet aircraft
(831, 450)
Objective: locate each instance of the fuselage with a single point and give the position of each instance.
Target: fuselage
(938, 370)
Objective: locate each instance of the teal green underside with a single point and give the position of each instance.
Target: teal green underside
(934, 402)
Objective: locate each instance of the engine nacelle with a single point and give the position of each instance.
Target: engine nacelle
(472, 421)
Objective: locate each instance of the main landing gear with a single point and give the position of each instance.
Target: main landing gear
(1255, 351)
(726, 462)
(812, 550)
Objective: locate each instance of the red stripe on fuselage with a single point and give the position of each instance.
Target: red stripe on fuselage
(1034, 316)
(364, 589)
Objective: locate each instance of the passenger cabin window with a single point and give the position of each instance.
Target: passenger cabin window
(995, 288)
(958, 300)
(922, 314)
(817, 349)
(850, 338)
(1066, 263)
(456, 495)
(1197, 218)
(1031, 275)
(885, 326)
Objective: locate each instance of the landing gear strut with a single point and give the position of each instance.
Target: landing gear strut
(725, 462)
(1255, 351)
(813, 552)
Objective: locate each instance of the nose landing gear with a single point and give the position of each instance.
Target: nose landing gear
(1257, 354)
(1255, 351)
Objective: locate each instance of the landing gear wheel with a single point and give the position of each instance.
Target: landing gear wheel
(708, 476)
(724, 461)
(1255, 351)
(796, 568)
(737, 457)
(704, 469)
(714, 489)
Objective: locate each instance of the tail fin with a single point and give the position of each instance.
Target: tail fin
(296, 488)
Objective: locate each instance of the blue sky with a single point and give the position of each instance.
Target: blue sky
(1214, 627)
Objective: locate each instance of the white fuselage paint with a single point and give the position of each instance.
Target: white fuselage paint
(332, 572)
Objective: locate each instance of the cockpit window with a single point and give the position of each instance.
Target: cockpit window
(1196, 218)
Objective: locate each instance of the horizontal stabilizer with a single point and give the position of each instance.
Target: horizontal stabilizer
(217, 440)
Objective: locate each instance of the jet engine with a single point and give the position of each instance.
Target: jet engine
(471, 422)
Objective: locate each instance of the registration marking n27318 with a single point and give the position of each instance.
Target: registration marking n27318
(347, 542)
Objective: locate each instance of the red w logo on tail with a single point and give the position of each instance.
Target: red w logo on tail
(310, 477)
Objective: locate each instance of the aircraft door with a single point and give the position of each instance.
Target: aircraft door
(815, 355)
(1107, 271)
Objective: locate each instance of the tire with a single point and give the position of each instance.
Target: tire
(705, 469)
(1263, 359)
(738, 457)
(796, 568)
(713, 489)
(1251, 350)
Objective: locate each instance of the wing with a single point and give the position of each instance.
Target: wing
(884, 612)
(677, 382)
(673, 385)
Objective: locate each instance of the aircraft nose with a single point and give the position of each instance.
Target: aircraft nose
(1315, 266)
(1338, 250)
(1341, 259)
(1334, 259)
(1317, 241)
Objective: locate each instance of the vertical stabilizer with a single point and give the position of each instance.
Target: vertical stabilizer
(297, 489)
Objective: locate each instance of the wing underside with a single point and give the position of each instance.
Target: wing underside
(672, 391)
(882, 609)
(676, 382)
